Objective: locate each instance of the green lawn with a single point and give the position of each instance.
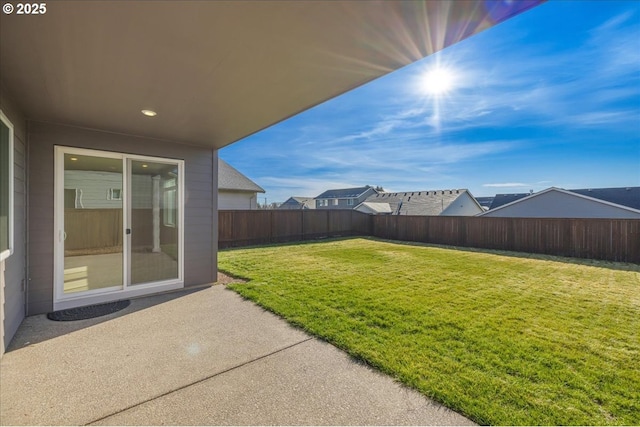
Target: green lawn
(502, 339)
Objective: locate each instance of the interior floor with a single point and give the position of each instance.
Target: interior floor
(90, 272)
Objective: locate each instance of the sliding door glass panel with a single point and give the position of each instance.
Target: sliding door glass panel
(154, 221)
(93, 247)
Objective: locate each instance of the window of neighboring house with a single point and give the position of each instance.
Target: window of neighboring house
(350, 202)
(170, 193)
(70, 197)
(334, 202)
(323, 202)
(6, 187)
(114, 194)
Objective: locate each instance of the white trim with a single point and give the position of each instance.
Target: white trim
(2, 343)
(472, 198)
(127, 290)
(114, 194)
(126, 222)
(58, 219)
(8, 252)
(180, 214)
(139, 290)
(560, 190)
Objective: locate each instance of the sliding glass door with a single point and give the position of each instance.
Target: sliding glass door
(154, 221)
(92, 237)
(119, 223)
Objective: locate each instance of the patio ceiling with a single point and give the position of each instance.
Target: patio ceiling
(216, 71)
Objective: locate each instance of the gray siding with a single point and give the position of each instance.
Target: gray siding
(15, 265)
(556, 204)
(200, 230)
(343, 203)
(237, 200)
(95, 186)
(464, 205)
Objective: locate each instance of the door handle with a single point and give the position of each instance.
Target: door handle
(128, 231)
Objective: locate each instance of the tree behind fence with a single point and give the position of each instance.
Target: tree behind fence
(604, 239)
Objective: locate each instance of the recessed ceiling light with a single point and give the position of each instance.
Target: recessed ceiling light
(149, 113)
(145, 166)
(73, 158)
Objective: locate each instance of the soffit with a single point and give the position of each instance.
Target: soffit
(216, 71)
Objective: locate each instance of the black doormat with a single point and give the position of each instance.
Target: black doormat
(88, 312)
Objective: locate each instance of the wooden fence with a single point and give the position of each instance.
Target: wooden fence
(604, 239)
(244, 228)
(91, 229)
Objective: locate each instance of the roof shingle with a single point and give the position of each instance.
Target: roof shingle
(343, 193)
(417, 202)
(229, 178)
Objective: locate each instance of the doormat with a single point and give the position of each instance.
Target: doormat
(88, 312)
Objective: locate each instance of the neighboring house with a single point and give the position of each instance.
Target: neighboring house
(103, 190)
(374, 208)
(558, 203)
(153, 90)
(503, 199)
(623, 196)
(485, 202)
(298, 203)
(428, 203)
(344, 198)
(236, 191)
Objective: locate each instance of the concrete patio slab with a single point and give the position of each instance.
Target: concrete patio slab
(195, 357)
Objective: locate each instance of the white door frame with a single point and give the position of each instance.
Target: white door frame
(78, 299)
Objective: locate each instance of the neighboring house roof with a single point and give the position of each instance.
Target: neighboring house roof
(298, 203)
(344, 193)
(530, 198)
(229, 178)
(302, 199)
(431, 202)
(485, 202)
(504, 199)
(623, 196)
(374, 207)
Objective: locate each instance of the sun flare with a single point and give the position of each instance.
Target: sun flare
(437, 81)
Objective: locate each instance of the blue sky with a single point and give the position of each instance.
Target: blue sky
(548, 98)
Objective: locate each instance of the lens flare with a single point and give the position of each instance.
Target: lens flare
(437, 81)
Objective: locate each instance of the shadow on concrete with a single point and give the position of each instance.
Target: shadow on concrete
(38, 328)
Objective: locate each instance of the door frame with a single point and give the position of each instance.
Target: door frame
(62, 301)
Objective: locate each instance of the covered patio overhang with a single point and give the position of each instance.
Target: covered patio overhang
(216, 71)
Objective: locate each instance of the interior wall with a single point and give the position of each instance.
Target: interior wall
(200, 226)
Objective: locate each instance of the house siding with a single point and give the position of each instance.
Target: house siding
(200, 226)
(343, 203)
(236, 200)
(464, 205)
(293, 204)
(13, 269)
(555, 204)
